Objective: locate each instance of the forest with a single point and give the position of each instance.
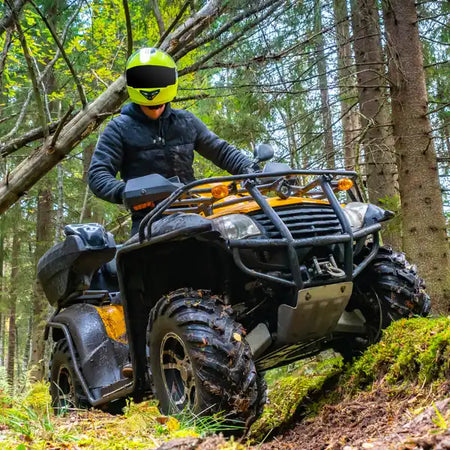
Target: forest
(357, 85)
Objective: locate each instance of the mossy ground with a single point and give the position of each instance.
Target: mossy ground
(409, 368)
(289, 388)
(402, 379)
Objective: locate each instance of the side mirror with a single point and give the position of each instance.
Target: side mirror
(263, 152)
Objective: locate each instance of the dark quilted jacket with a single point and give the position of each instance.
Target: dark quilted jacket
(136, 145)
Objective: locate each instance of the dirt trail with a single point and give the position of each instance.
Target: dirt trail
(374, 420)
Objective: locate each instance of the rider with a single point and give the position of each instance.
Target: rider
(149, 136)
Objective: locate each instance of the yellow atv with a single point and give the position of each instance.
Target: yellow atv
(227, 278)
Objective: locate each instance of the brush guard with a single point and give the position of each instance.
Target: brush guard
(253, 185)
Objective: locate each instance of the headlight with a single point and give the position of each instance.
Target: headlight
(355, 213)
(365, 214)
(235, 226)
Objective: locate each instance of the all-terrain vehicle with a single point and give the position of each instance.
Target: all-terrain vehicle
(228, 277)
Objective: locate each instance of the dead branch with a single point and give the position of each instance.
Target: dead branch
(129, 30)
(63, 53)
(229, 42)
(174, 23)
(192, 27)
(244, 15)
(60, 125)
(31, 72)
(15, 144)
(4, 54)
(158, 16)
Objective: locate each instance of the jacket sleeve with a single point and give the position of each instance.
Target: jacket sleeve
(106, 163)
(220, 152)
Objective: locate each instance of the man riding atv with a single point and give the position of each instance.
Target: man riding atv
(227, 277)
(150, 136)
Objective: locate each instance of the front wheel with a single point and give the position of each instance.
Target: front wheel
(389, 289)
(199, 359)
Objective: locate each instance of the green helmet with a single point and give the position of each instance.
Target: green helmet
(152, 77)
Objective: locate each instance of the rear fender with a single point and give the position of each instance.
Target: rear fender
(98, 335)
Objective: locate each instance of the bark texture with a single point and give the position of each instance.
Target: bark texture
(323, 86)
(377, 139)
(44, 239)
(10, 13)
(425, 237)
(12, 334)
(347, 80)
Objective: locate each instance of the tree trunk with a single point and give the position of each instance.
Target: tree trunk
(1, 339)
(381, 170)
(424, 237)
(28, 346)
(347, 92)
(323, 86)
(12, 310)
(43, 242)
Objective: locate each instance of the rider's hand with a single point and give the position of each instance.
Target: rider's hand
(252, 169)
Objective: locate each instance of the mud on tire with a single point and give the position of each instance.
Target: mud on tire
(65, 388)
(400, 290)
(199, 359)
(389, 289)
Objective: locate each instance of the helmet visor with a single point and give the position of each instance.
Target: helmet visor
(148, 77)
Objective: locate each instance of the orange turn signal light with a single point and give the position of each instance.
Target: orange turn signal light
(220, 191)
(344, 184)
(143, 206)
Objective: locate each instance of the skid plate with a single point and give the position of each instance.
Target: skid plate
(316, 314)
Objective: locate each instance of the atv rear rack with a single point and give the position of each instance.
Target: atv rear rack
(251, 188)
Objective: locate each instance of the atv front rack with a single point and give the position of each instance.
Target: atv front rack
(251, 187)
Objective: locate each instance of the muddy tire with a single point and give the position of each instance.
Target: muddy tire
(199, 359)
(65, 388)
(389, 289)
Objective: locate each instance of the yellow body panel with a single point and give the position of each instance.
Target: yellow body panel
(114, 321)
(246, 207)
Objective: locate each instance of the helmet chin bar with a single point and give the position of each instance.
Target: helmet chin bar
(152, 77)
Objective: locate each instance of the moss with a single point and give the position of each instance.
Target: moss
(414, 350)
(290, 389)
(38, 398)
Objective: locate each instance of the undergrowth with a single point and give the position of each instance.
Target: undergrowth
(29, 423)
(412, 354)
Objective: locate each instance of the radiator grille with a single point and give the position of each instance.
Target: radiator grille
(303, 221)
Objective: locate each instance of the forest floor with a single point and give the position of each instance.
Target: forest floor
(396, 396)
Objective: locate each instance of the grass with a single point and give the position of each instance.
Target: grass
(413, 354)
(30, 422)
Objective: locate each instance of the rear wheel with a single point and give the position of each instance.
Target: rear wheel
(389, 289)
(65, 388)
(199, 359)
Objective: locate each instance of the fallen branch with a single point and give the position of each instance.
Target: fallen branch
(45, 157)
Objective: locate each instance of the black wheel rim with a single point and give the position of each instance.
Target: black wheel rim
(177, 373)
(65, 388)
